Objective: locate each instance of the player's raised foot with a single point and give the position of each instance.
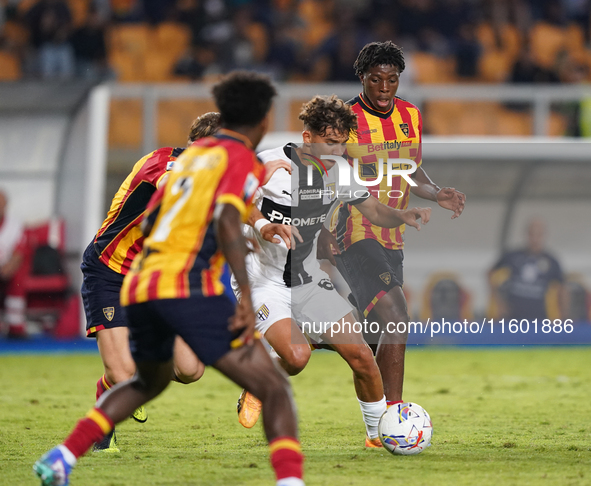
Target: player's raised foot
(108, 444)
(53, 469)
(249, 408)
(373, 443)
(140, 415)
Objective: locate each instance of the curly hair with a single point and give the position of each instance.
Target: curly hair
(323, 112)
(243, 98)
(376, 54)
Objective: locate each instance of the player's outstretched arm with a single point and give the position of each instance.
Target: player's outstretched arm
(447, 198)
(228, 228)
(273, 166)
(387, 217)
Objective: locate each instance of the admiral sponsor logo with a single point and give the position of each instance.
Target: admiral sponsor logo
(307, 194)
(391, 145)
(276, 216)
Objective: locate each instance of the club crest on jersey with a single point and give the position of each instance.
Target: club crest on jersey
(386, 278)
(330, 190)
(263, 312)
(404, 128)
(109, 313)
(369, 170)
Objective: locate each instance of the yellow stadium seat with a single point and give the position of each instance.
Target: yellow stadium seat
(10, 67)
(575, 39)
(173, 37)
(316, 15)
(175, 118)
(133, 38)
(514, 123)
(495, 66)
(546, 42)
(432, 69)
(557, 125)
(510, 39)
(125, 124)
(79, 10)
(441, 117)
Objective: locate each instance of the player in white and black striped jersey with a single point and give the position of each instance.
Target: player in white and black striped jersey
(288, 286)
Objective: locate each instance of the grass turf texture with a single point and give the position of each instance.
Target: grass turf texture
(501, 416)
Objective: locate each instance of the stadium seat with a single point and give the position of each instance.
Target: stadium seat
(509, 41)
(495, 66)
(10, 66)
(514, 123)
(432, 69)
(478, 118)
(175, 118)
(446, 298)
(557, 125)
(47, 286)
(318, 25)
(79, 10)
(15, 34)
(575, 39)
(125, 124)
(546, 42)
(128, 46)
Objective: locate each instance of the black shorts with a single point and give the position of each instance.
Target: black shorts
(201, 321)
(100, 294)
(370, 271)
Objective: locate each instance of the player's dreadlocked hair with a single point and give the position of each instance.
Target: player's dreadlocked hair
(376, 54)
(243, 98)
(323, 112)
(204, 126)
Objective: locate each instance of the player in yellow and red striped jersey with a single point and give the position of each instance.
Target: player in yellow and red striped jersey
(371, 257)
(106, 261)
(173, 287)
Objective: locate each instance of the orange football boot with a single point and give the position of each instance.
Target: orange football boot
(373, 443)
(248, 408)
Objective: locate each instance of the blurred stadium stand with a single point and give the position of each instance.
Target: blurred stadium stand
(503, 88)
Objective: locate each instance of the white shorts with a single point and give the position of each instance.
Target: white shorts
(316, 303)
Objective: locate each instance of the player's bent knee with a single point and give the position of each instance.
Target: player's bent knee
(362, 362)
(298, 359)
(187, 376)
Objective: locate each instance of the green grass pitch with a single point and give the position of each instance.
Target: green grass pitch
(501, 417)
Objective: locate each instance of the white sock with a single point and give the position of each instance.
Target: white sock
(372, 412)
(290, 482)
(68, 456)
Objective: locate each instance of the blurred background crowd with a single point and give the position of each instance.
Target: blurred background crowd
(520, 41)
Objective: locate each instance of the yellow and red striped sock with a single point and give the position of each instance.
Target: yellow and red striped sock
(286, 457)
(102, 386)
(89, 430)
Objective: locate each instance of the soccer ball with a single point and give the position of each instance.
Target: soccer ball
(405, 429)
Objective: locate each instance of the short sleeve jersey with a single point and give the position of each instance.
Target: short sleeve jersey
(393, 134)
(303, 202)
(120, 238)
(180, 256)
